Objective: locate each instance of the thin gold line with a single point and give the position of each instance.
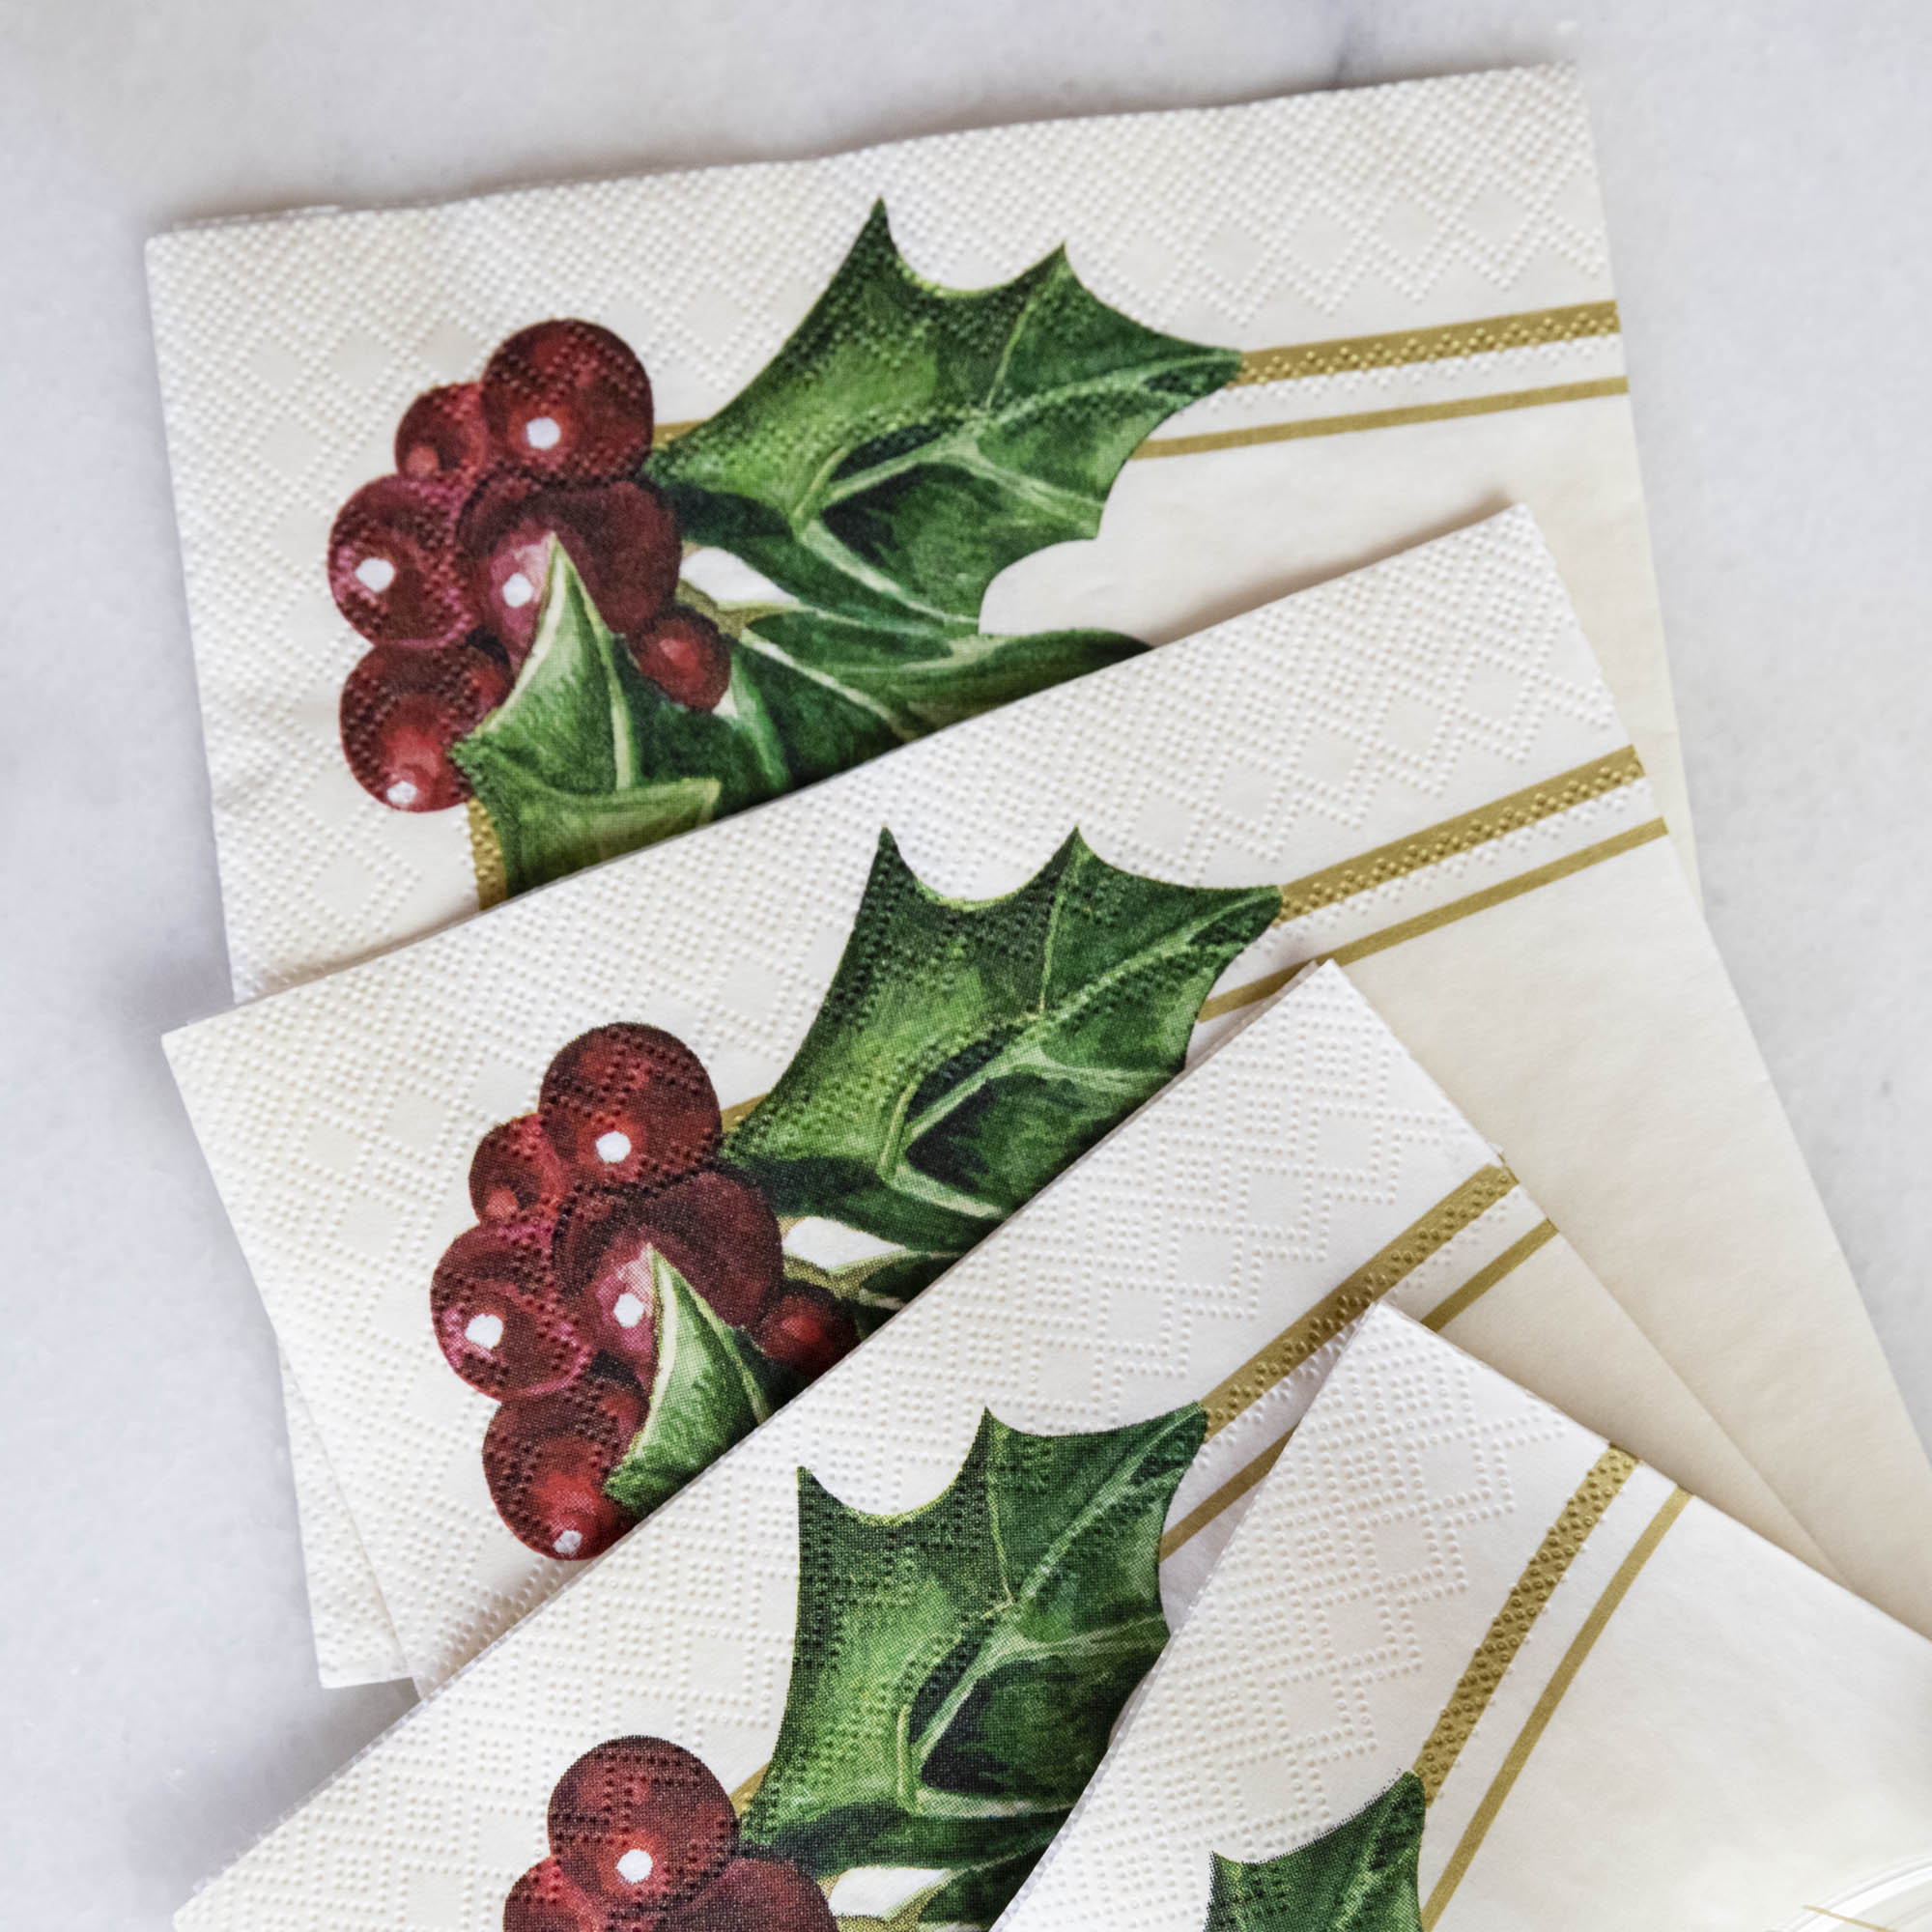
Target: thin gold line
(1435, 843)
(1512, 1624)
(1527, 328)
(738, 1109)
(1825, 1912)
(1483, 1280)
(486, 855)
(741, 1799)
(1539, 1719)
(1353, 1297)
(1412, 412)
(1231, 1492)
(1446, 915)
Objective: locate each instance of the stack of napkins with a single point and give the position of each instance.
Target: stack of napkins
(882, 1245)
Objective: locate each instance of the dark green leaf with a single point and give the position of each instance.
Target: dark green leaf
(966, 1052)
(1361, 1877)
(956, 1669)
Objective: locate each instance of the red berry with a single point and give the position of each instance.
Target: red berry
(392, 566)
(629, 1102)
(545, 1462)
(756, 1890)
(642, 1822)
(806, 1328)
(568, 399)
(685, 656)
(442, 434)
(403, 708)
(713, 1227)
(544, 1900)
(499, 1318)
(515, 1173)
(622, 536)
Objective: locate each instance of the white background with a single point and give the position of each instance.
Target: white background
(1767, 169)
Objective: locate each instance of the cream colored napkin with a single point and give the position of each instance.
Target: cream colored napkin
(1465, 1665)
(1157, 1321)
(1415, 770)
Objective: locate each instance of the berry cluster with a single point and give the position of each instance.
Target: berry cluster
(442, 565)
(549, 1304)
(642, 1838)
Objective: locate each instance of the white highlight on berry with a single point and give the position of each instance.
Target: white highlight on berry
(518, 590)
(543, 433)
(402, 792)
(485, 1331)
(628, 1310)
(376, 573)
(635, 1866)
(569, 1542)
(612, 1147)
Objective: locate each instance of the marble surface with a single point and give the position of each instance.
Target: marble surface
(1765, 167)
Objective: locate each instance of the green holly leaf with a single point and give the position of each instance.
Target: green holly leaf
(712, 1388)
(966, 1051)
(910, 442)
(956, 1669)
(1361, 1877)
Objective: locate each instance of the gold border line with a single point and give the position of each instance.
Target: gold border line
(1483, 1280)
(1538, 1722)
(1825, 1912)
(486, 855)
(1512, 1624)
(1527, 329)
(1355, 1297)
(1230, 1492)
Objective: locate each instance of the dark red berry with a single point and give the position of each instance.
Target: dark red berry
(685, 656)
(515, 1174)
(642, 1822)
(713, 1227)
(499, 1317)
(613, 1291)
(755, 1892)
(629, 1102)
(622, 536)
(806, 1328)
(402, 710)
(544, 1900)
(568, 400)
(545, 1462)
(442, 434)
(392, 567)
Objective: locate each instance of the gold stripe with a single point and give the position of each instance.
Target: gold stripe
(1528, 328)
(1231, 1492)
(1237, 997)
(486, 855)
(1512, 1624)
(1483, 1280)
(738, 1109)
(741, 1799)
(1353, 1297)
(1412, 412)
(1539, 1719)
(1825, 1912)
(1435, 843)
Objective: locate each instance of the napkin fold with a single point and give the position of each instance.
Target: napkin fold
(1467, 1665)
(1007, 1496)
(1414, 771)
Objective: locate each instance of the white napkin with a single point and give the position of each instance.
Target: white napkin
(1416, 278)
(1424, 748)
(1217, 1249)
(1465, 1666)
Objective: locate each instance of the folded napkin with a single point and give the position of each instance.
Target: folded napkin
(1325, 326)
(899, 1621)
(1466, 1665)
(1415, 770)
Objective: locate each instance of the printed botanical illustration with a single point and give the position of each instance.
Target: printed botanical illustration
(626, 1296)
(955, 1672)
(1360, 1877)
(535, 648)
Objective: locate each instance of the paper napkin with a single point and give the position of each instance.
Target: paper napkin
(1466, 1664)
(889, 1548)
(1415, 770)
(1323, 327)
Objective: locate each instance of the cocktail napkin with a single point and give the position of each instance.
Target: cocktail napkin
(1322, 328)
(1466, 1664)
(1415, 770)
(899, 1620)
